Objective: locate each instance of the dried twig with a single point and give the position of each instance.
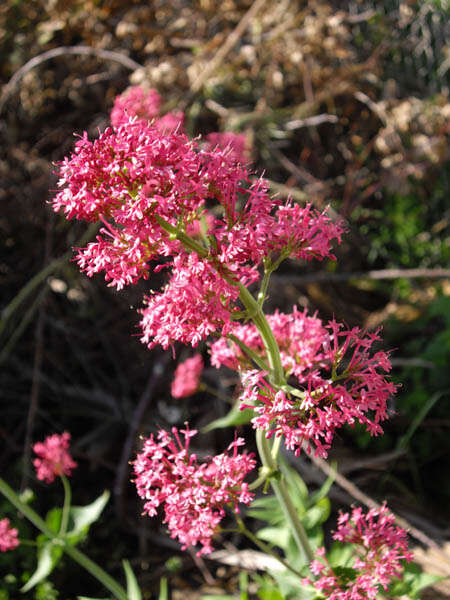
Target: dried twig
(37, 366)
(227, 46)
(378, 274)
(356, 493)
(138, 415)
(64, 51)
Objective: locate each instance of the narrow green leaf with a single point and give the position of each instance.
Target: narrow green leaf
(163, 589)
(133, 591)
(278, 536)
(83, 516)
(323, 492)
(233, 417)
(48, 557)
(404, 440)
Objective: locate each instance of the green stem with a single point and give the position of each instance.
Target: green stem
(250, 353)
(110, 584)
(186, 240)
(264, 547)
(269, 341)
(282, 493)
(276, 377)
(66, 506)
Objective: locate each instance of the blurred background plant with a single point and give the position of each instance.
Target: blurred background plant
(343, 104)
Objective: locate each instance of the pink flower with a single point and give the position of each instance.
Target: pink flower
(135, 102)
(194, 495)
(338, 380)
(54, 458)
(8, 536)
(187, 377)
(235, 143)
(380, 546)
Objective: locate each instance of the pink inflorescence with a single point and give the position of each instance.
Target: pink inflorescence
(148, 189)
(53, 459)
(145, 105)
(187, 377)
(337, 379)
(194, 495)
(380, 546)
(8, 536)
(236, 143)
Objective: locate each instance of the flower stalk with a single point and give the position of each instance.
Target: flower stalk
(93, 568)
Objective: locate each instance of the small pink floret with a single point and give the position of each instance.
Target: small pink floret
(53, 459)
(8, 536)
(187, 377)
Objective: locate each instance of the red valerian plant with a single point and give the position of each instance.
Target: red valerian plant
(54, 458)
(8, 536)
(194, 495)
(380, 546)
(195, 209)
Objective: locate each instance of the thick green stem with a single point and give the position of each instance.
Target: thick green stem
(276, 377)
(93, 568)
(273, 353)
(282, 493)
(66, 506)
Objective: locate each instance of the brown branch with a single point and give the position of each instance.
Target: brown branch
(356, 493)
(227, 46)
(136, 420)
(64, 51)
(437, 273)
(37, 366)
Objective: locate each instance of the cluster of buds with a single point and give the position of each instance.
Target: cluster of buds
(54, 458)
(8, 536)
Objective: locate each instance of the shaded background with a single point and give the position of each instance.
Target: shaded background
(343, 104)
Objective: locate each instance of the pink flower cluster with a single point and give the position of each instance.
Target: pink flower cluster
(8, 536)
(338, 379)
(187, 377)
(235, 143)
(194, 495)
(144, 105)
(53, 459)
(149, 189)
(380, 546)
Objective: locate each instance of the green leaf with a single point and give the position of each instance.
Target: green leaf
(133, 591)
(298, 488)
(233, 417)
(340, 555)
(163, 589)
(317, 514)
(279, 536)
(88, 598)
(82, 517)
(53, 519)
(48, 557)
(323, 492)
(267, 509)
